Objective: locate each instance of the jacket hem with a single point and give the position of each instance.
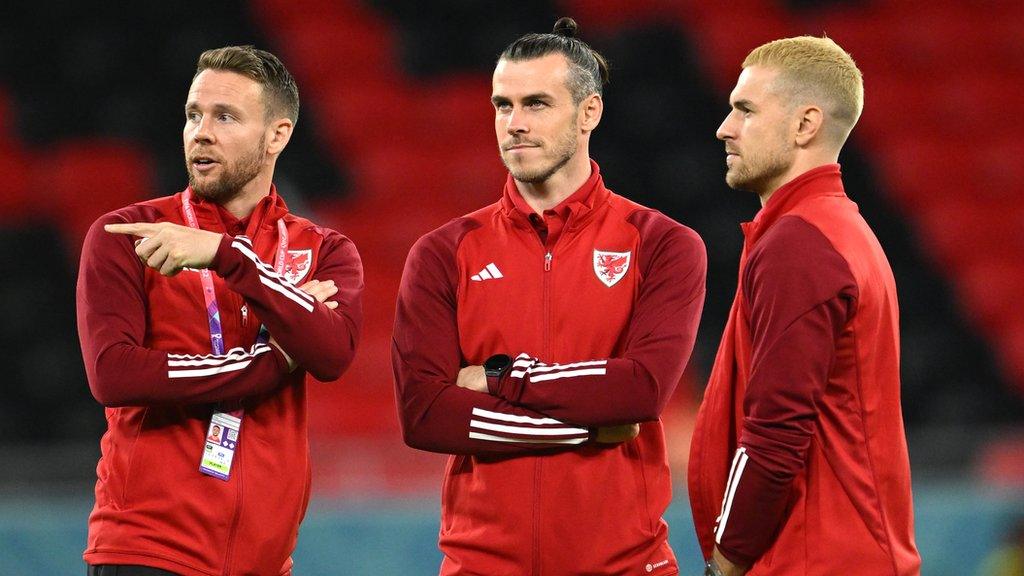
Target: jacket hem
(152, 560)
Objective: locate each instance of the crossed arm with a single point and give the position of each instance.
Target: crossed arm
(438, 401)
(112, 312)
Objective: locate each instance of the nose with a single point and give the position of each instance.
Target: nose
(517, 123)
(203, 132)
(725, 129)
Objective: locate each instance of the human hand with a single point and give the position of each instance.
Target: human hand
(321, 291)
(168, 248)
(617, 434)
(472, 378)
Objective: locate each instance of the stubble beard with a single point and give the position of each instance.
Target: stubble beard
(235, 176)
(564, 149)
(757, 171)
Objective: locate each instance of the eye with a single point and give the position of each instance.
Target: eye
(192, 116)
(225, 117)
(504, 107)
(536, 104)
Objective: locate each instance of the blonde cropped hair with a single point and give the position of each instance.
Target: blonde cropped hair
(815, 71)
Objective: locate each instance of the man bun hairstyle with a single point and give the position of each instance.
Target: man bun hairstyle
(280, 93)
(588, 70)
(566, 26)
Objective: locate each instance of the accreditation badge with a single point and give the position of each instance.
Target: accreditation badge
(221, 443)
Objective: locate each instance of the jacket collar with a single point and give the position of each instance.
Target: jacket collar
(213, 216)
(577, 206)
(824, 180)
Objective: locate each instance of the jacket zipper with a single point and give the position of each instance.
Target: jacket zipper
(538, 462)
(238, 512)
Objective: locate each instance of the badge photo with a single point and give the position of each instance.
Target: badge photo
(610, 267)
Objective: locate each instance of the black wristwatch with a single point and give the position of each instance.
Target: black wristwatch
(711, 569)
(495, 369)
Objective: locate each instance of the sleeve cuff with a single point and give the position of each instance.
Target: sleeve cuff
(222, 260)
(282, 362)
(494, 385)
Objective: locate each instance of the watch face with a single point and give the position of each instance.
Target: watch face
(497, 364)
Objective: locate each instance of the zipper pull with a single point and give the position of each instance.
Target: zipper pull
(245, 315)
(547, 262)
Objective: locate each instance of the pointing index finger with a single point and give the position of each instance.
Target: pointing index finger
(144, 229)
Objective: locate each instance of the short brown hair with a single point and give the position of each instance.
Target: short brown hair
(280, 94)
(816, 70)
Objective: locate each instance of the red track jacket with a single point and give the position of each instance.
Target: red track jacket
(153, 506)
(601, 310)
(799, 461)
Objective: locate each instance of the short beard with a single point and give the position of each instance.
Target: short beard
(564, 150)
(235, 177)
(749, 181)
(760, 170)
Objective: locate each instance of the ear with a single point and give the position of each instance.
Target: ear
(279, 132)
(590, 112)
(811, 119)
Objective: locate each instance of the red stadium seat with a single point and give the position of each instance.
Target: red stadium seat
(991, 290)
(17, 203)
(337, 50)
(614, 14)
(84, 179)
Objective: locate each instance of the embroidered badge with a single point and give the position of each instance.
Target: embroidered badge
(610, 267)
(296, 265)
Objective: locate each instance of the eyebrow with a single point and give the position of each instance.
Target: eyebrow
(217, 107)
(498, 99)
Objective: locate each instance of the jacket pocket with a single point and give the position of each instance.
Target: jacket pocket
(647, 522)
(449, 491)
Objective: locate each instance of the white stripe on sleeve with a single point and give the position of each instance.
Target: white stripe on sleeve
(539, 372)
(739, 463)
(525, 430)
(513, 417)
(500, 427)
(270, 278)
(189, 366)
(492, 438)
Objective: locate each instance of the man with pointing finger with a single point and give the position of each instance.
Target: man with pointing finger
(199, 315)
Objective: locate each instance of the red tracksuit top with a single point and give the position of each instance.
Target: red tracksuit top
(799, 462)
(153, 506)
(601, 316)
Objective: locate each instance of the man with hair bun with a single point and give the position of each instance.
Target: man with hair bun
(799, 462)
(538, 339)
(200, 315)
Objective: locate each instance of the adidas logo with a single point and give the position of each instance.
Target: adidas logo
(490, 272)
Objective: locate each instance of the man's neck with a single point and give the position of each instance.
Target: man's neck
(242, 204)
(546, 195)
(800, 166)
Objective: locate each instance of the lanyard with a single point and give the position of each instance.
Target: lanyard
(206, 278)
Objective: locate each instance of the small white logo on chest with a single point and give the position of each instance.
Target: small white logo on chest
(490, 272)
(610, 267)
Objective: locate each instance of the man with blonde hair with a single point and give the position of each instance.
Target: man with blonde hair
(799, 460)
